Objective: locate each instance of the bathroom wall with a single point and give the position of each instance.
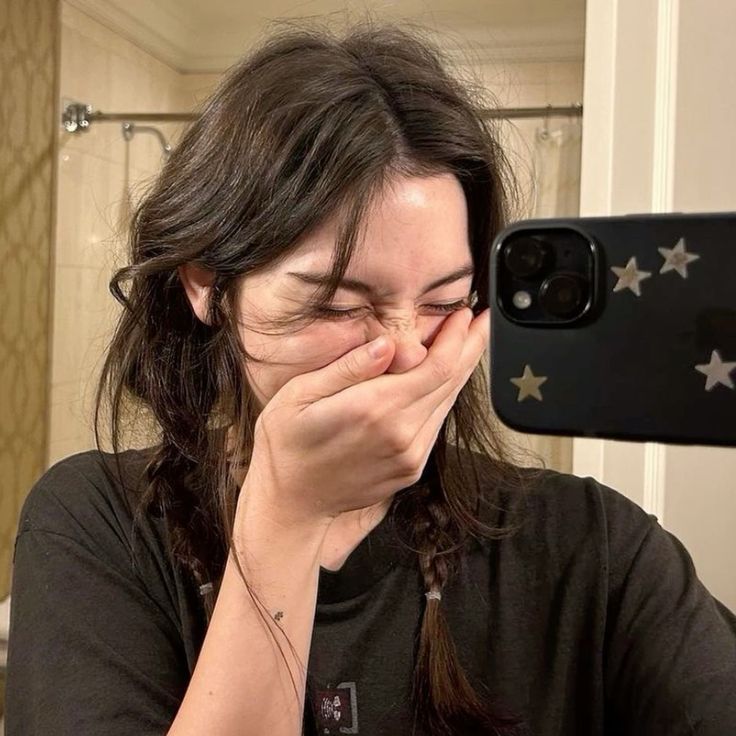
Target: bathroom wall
(100, 176)
(28, 51)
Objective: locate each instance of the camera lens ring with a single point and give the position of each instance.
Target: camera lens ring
(562, 294)
(526, 256)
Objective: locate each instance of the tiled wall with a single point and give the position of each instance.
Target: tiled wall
(100, 175)
(28, 50)
(531, 84)
(101, 68)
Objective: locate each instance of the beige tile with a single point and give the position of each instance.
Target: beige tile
(68, 422)
(91, 202)
(194, 88)
(100, 68)
(533, 95)
(112, 75)
(59, 449)
(85, 68)
(145, 150)
(529, 73)
(80, 319)
(566, 71)
(565, 93)
(108, 39)
(130, 87)
(85, 77)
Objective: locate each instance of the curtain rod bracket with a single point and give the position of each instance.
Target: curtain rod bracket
(76, 117)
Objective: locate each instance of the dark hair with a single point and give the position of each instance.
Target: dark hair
(308, 126)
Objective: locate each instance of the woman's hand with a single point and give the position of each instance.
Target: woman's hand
(348, 436)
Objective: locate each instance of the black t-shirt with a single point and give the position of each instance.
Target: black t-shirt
(588, 621)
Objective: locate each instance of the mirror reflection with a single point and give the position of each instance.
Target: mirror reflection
(207, 176)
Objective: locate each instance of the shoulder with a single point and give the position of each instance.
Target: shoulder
(562, 511)
(544, 490)
(570, 499)
(89, 496)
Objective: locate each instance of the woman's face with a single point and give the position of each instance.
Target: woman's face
(416, 237)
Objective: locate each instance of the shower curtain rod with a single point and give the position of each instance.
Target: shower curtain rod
(79, 116)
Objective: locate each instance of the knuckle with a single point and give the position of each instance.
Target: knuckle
(399, 440)
(411, 464)
(371, 414)
(411, 472)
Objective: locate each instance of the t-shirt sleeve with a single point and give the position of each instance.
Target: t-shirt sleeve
(90, 649)
(670, 659)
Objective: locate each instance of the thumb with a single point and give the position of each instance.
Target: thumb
(360, 364)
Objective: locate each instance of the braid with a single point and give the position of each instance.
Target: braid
(444, 701)
(189, 523)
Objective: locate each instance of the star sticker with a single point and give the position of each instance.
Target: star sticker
(630, 277)
(529, 384)
(677, 258)
(717, 371)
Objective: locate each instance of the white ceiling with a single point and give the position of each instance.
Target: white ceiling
(200, 37)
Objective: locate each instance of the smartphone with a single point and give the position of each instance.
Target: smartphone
(616, 327)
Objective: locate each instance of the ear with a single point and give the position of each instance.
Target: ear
(197, 282)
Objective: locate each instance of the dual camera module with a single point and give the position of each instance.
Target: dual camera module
(545, 275)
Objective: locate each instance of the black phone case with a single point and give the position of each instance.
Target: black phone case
(659, 366)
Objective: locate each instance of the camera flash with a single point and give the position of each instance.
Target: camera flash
(522, 299)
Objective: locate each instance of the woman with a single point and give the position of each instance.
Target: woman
(330, 536)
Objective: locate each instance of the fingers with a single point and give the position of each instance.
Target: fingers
(427, 427)
(428, 431)
(413, 397)
(456, 351)
(350, 369)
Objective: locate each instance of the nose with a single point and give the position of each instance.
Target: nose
(411, 341)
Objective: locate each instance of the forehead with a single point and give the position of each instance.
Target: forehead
(416, 224)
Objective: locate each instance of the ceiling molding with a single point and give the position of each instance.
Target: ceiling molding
(156, 26)
(141, 28)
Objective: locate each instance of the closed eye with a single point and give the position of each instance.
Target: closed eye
(351, 313)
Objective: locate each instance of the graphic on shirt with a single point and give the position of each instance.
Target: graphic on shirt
(337, 709)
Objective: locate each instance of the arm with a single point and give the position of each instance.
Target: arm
(240, 684)
(94, 648)
(671, 646)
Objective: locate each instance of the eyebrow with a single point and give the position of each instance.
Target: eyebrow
(319, 279)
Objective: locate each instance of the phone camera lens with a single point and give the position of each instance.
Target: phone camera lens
(562, 295)
(526, 256)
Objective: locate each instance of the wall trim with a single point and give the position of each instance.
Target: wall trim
(665, 100)
(655, 479)
(663, 174)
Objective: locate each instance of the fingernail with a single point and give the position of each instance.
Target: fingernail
(378, 347)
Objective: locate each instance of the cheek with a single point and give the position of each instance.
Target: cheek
(291, 355)
(319, 345)
(325, 342)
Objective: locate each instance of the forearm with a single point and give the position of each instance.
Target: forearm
(241, 684)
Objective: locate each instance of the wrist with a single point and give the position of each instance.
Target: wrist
(259, 513)
(259, 498)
